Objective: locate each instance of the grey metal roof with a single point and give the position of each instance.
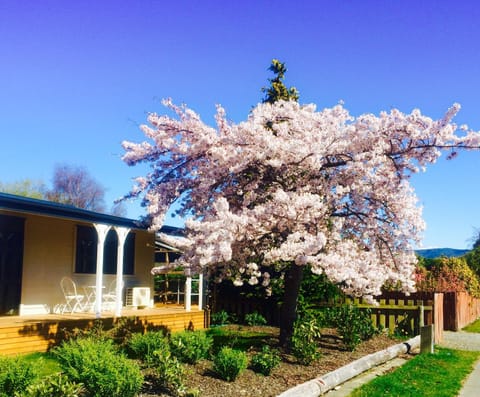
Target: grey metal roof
(12, 202)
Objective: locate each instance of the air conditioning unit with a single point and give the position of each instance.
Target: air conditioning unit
(138, 297)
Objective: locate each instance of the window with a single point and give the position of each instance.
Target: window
(129, 254)
(110, 253)
(86, 254)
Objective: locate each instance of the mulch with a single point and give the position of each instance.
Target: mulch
(288, 374)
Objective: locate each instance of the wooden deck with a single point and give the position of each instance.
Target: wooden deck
(39, 333)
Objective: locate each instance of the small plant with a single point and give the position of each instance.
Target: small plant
(57, 385)
(229, 363)
(143, 346)
(255, 318)
(97, 365)
(15, 376)
(403, 328)
(354, 325)
(265, 361)
(190, 346)
(304, 347)
(220, 318)
(169, 371)
(192, 392)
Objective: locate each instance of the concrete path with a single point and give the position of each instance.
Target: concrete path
(471, 387)
(346, 388)
(462, 340)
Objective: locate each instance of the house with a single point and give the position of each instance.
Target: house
(41, 242)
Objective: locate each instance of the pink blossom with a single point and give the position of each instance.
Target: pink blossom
(295, 185)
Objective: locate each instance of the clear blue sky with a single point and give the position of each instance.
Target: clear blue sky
(78, 77)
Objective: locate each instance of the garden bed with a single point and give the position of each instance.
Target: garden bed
(288, 374)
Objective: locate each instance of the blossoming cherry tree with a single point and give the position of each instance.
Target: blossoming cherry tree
(292, 185)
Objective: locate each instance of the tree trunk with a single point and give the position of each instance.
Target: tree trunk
(293, 279)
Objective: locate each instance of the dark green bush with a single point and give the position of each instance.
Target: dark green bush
(97, 365)
(255, 318)
(143, 346)
(190, 346)
(316, 288)
(354, 325)
(57, 385)
(404, 327)
(304, 347)
(169, 372)
(15, 376)
(229, 363)
(219, 318)
(265, 361)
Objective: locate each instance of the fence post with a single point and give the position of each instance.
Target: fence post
(438, 317)
(421, 321)
(426, 339)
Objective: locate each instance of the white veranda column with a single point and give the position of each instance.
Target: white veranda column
(188, 290)
(102, 231)
(122, 233)
(200, 291)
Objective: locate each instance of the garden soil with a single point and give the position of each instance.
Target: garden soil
(288, 374)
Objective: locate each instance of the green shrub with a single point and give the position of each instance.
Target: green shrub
(265, 361)
(448, 274)
(15, 375)
(255, 318)
(57, 385)
(169, 372)
(219, 318)
(95, 332)
(229, 363)
(354, 325)
(316, 288)
(190, 346)
(304, 347)
(97, 365)
(404, 327)
(143, 346)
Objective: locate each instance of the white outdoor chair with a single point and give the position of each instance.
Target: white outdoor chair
(109, 298)
(73, 300)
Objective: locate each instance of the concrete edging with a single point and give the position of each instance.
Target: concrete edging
(322, 384)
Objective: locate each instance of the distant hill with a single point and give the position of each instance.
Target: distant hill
(437, 252)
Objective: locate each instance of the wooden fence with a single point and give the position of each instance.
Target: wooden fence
(395, 311)
(405, 314)
(446, 311)
(240, 306)
(459, 310)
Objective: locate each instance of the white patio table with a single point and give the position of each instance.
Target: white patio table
(90, 297)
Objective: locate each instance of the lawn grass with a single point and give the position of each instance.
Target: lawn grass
(239, 338)
(428, 375)
(44, 362)
(473, 327)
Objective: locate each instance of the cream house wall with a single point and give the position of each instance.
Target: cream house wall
(144, 261)
(49, 255)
